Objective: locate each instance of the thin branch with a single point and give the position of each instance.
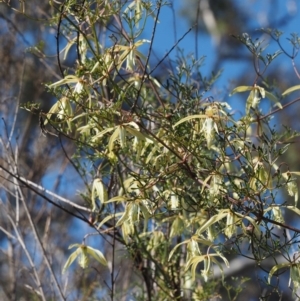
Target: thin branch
(173, 47)
(64, 200)
(279, 109)
(32, 186)
(32, 265)
(33, 227)
(148, 57)
(57, 38)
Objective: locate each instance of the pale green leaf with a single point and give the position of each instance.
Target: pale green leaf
(125, 215)
(74, 245)
(68, 47)
(102, 133)
(83, 259)
(277, 215)
(195, 238)
(252, 100)
(136, 133)
(113, 138)
(133, 124)
(151, 154)
(146, 211)
(122, 136)
(194, 263)
(157, 239)
(292, 189)
(274, 99)
(286, 174)
(293, 208)
(207, 271)
(209, 127)
(189, 118)
(97, 255)
(290, 90)
(201, 241)
(214, 260)
(118, 198)
(54, 110)
(261, 90)
(204, 184)
(214, 219)
(241, 89)
(257, 231)
(109, 217)
(127, 230)
(295, 276)
(66, 80)
(174, 202)
(276, 268)
(84, 114)
(176, 247)
(230, 224)
(98, 190)
(177, 227)
(72, 257)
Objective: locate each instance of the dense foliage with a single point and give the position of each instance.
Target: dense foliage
(174, 178)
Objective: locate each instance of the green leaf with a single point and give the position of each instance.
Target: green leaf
(209, 128)
(214, 219)
(177, 227)
(189, 118)
(274, 99)
(176, 247)
(195, 238)
(277, 215)
(252, 100)
(257, 231)
(99, 191)
(83, 259)
(122, 136)
(293, 208)
(231, 224)
(127, 230)
(107, 218)
(174, 202)
(156, 240)
(241, 89)
(113, 138)
(72, 257)
(290, 90)
(102, 133)
(207, 264)
(204, 184)
(119, 198)
(255, 95)
(295, 276)
(193, 248)
(97, 255)
(219, 264)
(68, 47)
(69, 79)
(286, 174)
(81, 254)
(125, 215)
(137, 134)
(276, 268)
(194, 263)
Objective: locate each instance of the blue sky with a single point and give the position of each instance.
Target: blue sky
(164, 38)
